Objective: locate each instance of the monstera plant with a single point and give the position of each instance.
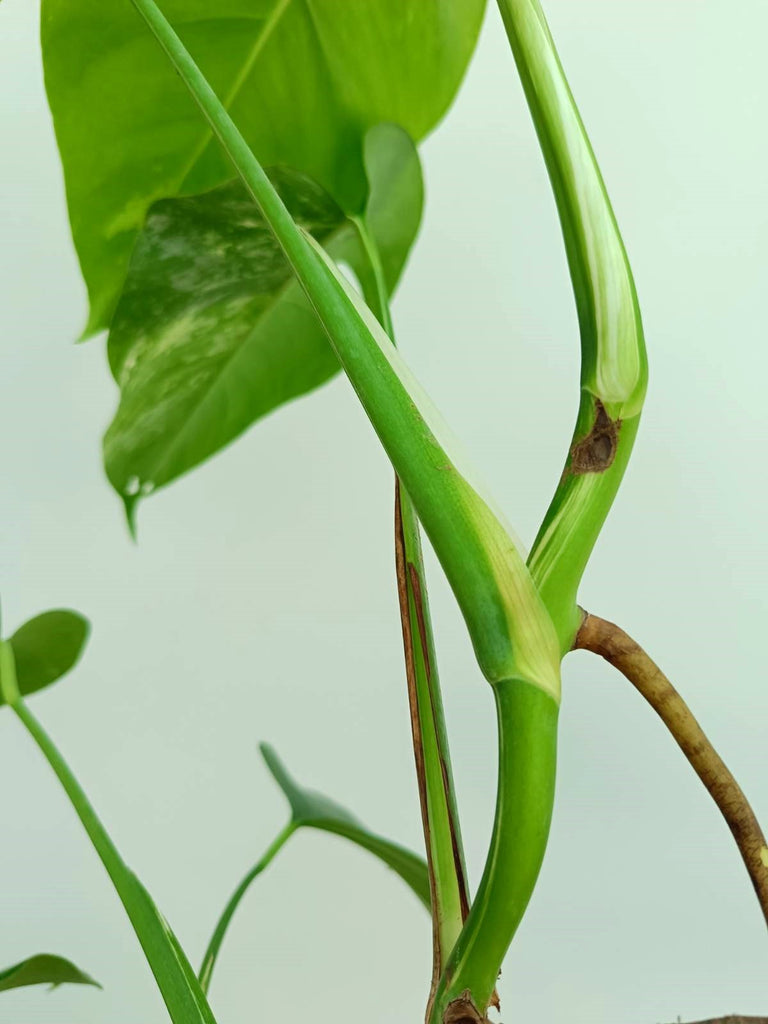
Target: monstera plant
(244, 189)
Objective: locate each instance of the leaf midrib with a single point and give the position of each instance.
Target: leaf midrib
(263, 37)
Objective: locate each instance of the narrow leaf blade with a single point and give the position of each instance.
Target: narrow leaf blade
(177, 982)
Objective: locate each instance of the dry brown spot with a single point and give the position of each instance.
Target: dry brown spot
(463, 1011)
(595, 453)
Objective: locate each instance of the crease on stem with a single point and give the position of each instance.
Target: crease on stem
(439, 814)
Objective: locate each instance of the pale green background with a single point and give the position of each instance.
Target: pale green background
(260, 602)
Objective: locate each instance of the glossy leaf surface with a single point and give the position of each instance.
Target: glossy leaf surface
(314, 810)
(47, 647)
(305, 80)
(212, 330)
(44, 969)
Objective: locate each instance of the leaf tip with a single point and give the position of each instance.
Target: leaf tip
(130, 505)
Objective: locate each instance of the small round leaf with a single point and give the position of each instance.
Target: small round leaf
(47, 647)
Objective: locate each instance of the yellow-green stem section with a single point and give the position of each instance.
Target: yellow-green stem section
(572, 525)
(614, 367)
(511, 632)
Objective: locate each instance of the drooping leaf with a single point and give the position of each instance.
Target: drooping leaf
(44, 969)
(305, 79)
(47, 647)
(212, 331)
(310, 809)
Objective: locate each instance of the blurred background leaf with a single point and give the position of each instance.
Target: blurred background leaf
(44, 969)
(47, 647)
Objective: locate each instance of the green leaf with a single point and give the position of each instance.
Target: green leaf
(305, 79)
(314, 810)
(44, 969)
(213, 331)
(47, 647)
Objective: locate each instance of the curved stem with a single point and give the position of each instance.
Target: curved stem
(620, 650)
(212, 952)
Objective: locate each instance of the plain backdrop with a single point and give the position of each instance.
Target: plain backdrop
(259, 602)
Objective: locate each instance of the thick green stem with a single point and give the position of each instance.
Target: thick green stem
(212, 952)
(573, 523)
(527, 726)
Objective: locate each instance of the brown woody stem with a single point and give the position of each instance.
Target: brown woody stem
(612, 643)
(734, 1018)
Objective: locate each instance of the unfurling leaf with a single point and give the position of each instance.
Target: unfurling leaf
(310, 809)
(44, 969)
(46, 648)
(213, 331)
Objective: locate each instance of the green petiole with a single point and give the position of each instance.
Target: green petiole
(614, 367)
(212, 952)
(175, 978)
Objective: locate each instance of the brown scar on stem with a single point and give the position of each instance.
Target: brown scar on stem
(418, 600)
(463, 1011)
(595, 452)
(416, 732)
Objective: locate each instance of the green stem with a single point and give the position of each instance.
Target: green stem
(614, 369)
(440, 818)
(510, 629)
(527, 728)
(212, 952)
(175, 978)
